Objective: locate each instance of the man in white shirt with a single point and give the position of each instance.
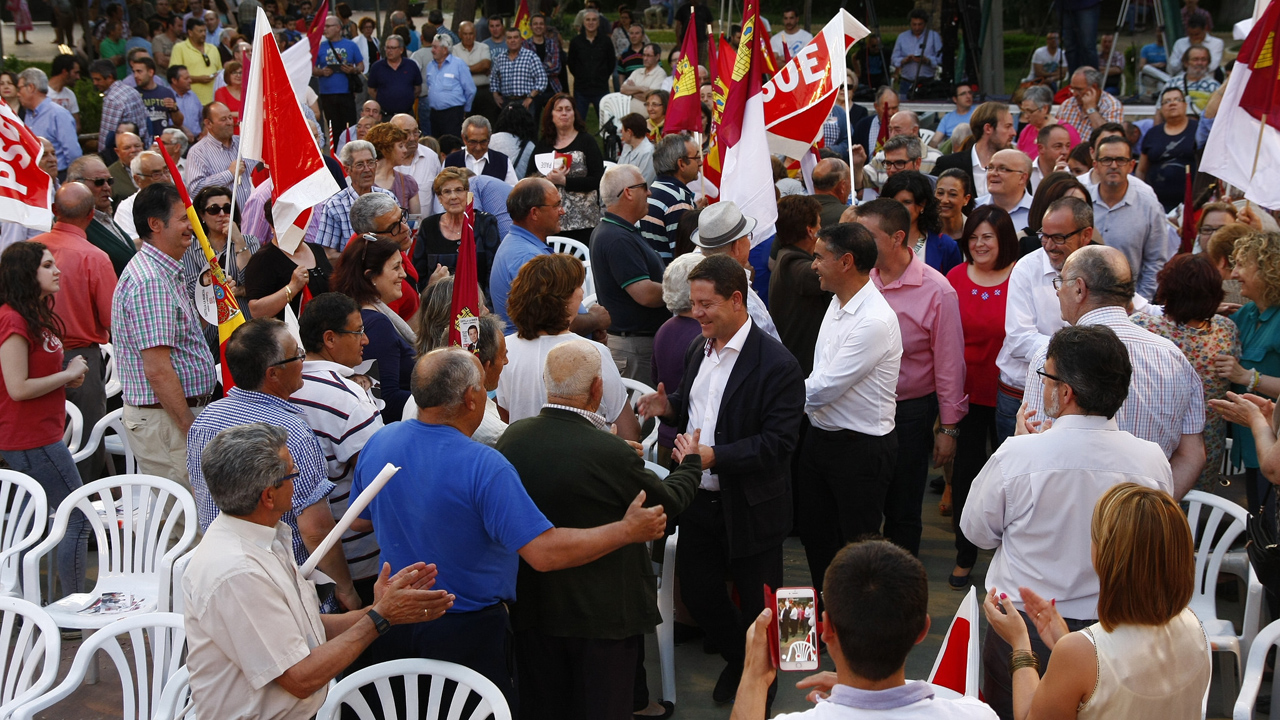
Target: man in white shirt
(875, 609)
(647, 78)
(147, 168)
(479, 59)
(1197, 35)
(1091, 179)
(257, 643)
(791, 39)
(636, 148)
(370, 109)
(851, 400)
(476, 155)
(1048, 63)
(1034, 500)
(1007, 177)
(1127, 219)
(993, 131)
(63, 75)
(1032, 314)
(1053, 145)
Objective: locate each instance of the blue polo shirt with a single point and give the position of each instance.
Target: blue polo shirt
(338, 52)
(456, 503)
(517, 248)
(52, 122)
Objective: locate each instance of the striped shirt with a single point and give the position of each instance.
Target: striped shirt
(335, 219)
(669, 199)
(1166, 396)
(209, 164)
(242, 407)
(343, 417)
(152, 309)
(121, 103)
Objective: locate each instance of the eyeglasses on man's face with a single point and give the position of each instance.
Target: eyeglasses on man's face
(296, 358)
(637, 186)
(1058, 238)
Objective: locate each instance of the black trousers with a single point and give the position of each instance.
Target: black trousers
(845, 477)
(704, 563)
(977, 430)
(913, 424)
(447, 121)
(997, 685)
(575, 678)
(91, 399)
(339, 110)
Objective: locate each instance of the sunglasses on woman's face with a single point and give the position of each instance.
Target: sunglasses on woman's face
(217, 209)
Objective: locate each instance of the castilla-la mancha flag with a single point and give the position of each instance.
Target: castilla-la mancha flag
(26, 191)
(799, 98)
(1246, 133)
(523, 20)
(684, 111)
(747, 177)
(274, 130)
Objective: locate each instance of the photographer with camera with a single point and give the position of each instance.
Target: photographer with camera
(917, 56)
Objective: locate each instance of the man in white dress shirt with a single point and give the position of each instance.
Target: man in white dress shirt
(1033, 502)
(1007, 176)
(1032, 314)
(851, 399)
(147, 168)
(425, 165)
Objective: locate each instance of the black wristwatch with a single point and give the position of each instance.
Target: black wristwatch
(379, 622)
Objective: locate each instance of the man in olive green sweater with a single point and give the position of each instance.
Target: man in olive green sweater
(579, 632)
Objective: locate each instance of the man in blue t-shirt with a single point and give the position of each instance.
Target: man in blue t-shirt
(161, 102)
(338, 60)
(963, 98)
(460, 505)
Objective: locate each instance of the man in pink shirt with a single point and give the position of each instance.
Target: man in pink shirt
(83, 303)
(931, 378)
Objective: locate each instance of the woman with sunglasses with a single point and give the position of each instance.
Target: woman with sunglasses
(233, 250)
(440, 235)
(274, 278)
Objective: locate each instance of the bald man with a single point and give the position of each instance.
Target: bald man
(128, 145)
(1008, 179)
(832, 184)
(83, 303)
(423, 166)
(370, 109)
(147, 168)
(903, 122)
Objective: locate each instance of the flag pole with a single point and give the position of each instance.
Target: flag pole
(1257, 151)
(848, 126)
(702, 179)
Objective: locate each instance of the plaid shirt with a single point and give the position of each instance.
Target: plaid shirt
(121, 103)
(552, 63)
(242, 407)
(335, 219)
(1166, 396)
(517, 78)
(1070, 113)
(152, 309)
(209, 165)
(669, 200)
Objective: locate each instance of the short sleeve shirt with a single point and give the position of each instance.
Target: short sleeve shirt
(621, 257)
(153, 101)
(342, 52)
(29, 424)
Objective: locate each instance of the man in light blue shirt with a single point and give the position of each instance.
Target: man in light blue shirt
(917, 54)
(188, 102)
(963, 98)
(47, 118)
(450, 89)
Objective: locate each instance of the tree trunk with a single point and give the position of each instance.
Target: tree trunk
(393, 6)
(463, 11)
(1033, 14)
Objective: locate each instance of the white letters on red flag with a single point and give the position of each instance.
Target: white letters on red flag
(274, 130)
(26, 191)
(799, 98)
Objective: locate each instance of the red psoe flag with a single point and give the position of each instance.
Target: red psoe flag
(273, 130)
(26, 191)
(316, 31)
(464, 326)
(683, 110)
(747, 177)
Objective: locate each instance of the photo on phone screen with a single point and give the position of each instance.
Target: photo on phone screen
(797, 614)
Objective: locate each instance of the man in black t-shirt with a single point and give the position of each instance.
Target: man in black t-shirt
(628, 273)
(703, 18)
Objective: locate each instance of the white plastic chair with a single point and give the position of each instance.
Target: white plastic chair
(136, 548)
(1252, 681)
(111, 378)
(613, 106)
(635, 391)
(32, 643)
(24, 513)
(347, 692)
(157, 643)
(175, 701)
(178, 603)
(1212, 542)
(410, 409)
(666, 631)
(561, 244)
(588, 300)
(960, 650)
(117, 443)
(73, 433)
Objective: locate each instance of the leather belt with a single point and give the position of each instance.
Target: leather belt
(192, 402)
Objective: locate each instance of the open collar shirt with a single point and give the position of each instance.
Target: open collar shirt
(1032, 315)
(707, 393)
(1135, 226)
(1033, 502)
(335, 219)
(209, 164)
(856, 359)
(1166, 395)
(121, 103)
(1018, 214)
(515, 79)
(83, 300)
(449, 84)
(54, 123)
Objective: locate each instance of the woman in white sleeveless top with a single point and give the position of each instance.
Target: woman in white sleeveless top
(1148, 655)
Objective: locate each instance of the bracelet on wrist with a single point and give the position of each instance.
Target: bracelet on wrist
(1019, 659)
(1254, 380)
(288, 294)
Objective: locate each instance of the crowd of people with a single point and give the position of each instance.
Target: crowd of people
(962, 301)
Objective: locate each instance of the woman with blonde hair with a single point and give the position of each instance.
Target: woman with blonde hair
(1148, 655)
(394, 150)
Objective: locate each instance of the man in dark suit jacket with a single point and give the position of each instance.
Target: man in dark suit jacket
(580, 632)
(476, 155)
(993, 131)
(745, 392)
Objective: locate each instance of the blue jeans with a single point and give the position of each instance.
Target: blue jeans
(586, 100)
(1080, 36)
(424, 117)
(1006, 417)
(53, 468)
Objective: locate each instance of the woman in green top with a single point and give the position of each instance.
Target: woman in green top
(112, 47)
(1257, 370)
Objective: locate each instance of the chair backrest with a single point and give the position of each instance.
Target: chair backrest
(569, 245)
(113, 422)
(469, 682)
(180, 569)
(1251, 679)
(157, 643)
(410, 409)
(175, 701)
(33, 643)
(135, 534)
(957, 664)
(24, 513)
(111, 378)
(73, 432)
(1215, 525)
(613, 106)
(635, 391)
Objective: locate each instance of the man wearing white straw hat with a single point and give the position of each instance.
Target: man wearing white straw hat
(724, 230)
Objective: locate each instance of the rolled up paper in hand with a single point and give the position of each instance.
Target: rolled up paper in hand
(353, 512)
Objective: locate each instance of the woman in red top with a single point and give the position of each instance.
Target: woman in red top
(232, 94)
(990, 248)
(33, 395)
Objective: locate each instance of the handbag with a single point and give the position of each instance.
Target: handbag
(1264, 553)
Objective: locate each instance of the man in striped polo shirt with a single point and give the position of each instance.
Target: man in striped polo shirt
(337, 405)
(676, 163)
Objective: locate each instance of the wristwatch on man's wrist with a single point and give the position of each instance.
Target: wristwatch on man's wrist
(379, 622)
(952, 433)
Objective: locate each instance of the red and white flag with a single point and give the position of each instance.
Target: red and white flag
(274, 130)
(799, 98)
(464, 310)
(958, 660)
(1244, 145)
(26, 191)
(747, 177)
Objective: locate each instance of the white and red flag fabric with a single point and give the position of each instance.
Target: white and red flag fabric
(274, 130)
(747, 177)
(958, 660)
(26, 191)
(464, 310)
(1246, 134)
(798, 99)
